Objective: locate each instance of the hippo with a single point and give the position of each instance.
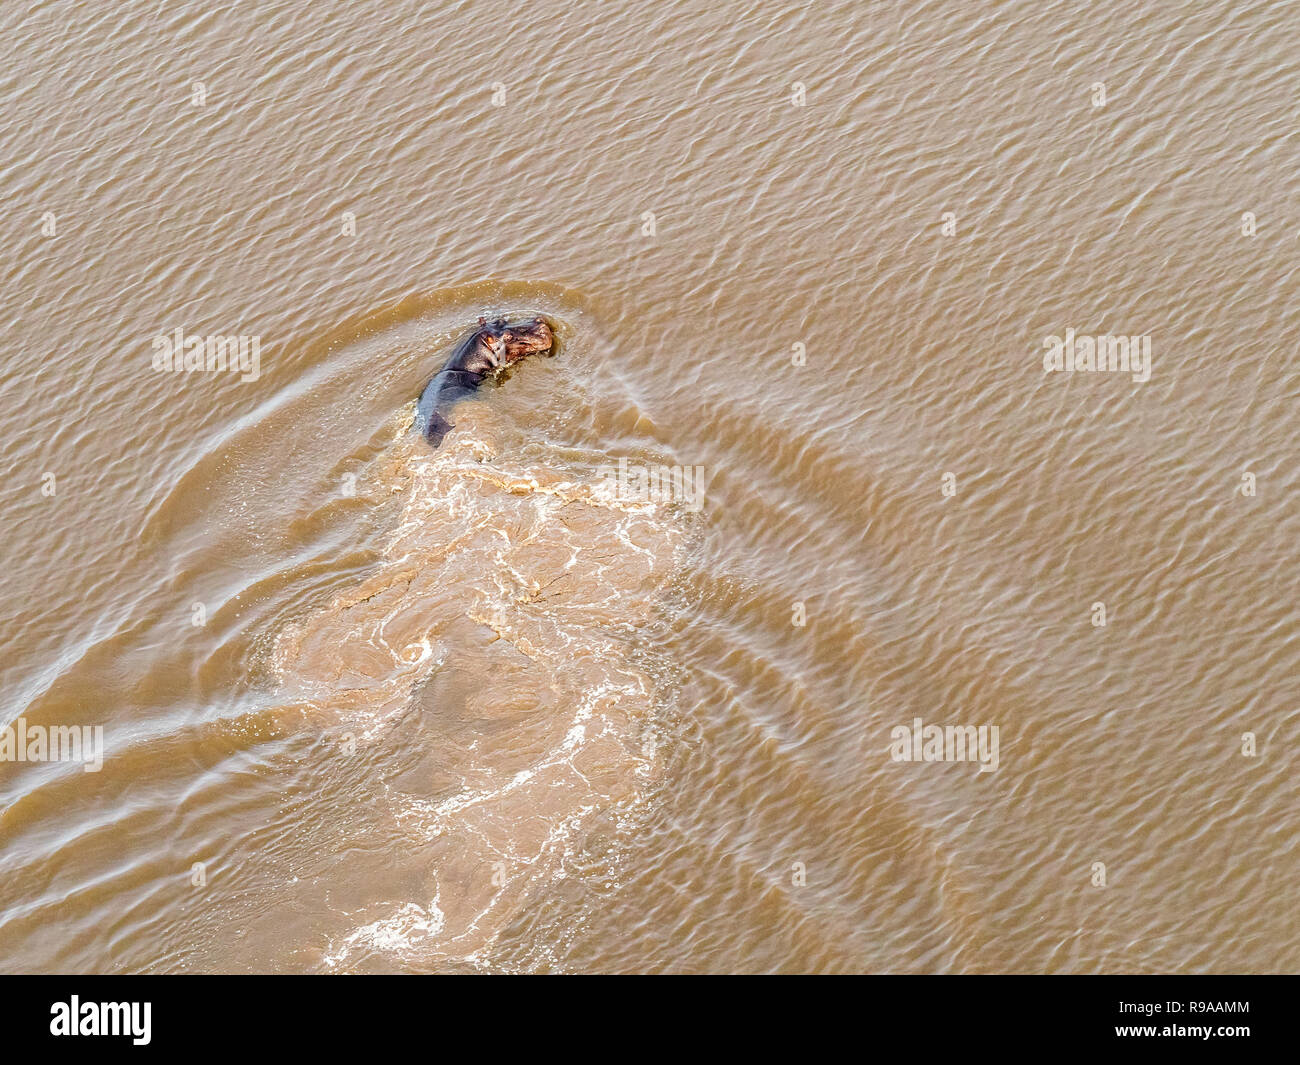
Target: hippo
(489, 349)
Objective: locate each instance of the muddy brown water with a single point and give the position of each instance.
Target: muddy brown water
(367, 707)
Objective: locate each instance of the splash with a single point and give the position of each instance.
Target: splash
(509, 610)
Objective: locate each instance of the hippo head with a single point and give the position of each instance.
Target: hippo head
(511, 341)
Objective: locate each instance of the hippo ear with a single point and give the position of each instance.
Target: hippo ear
(482, 320)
